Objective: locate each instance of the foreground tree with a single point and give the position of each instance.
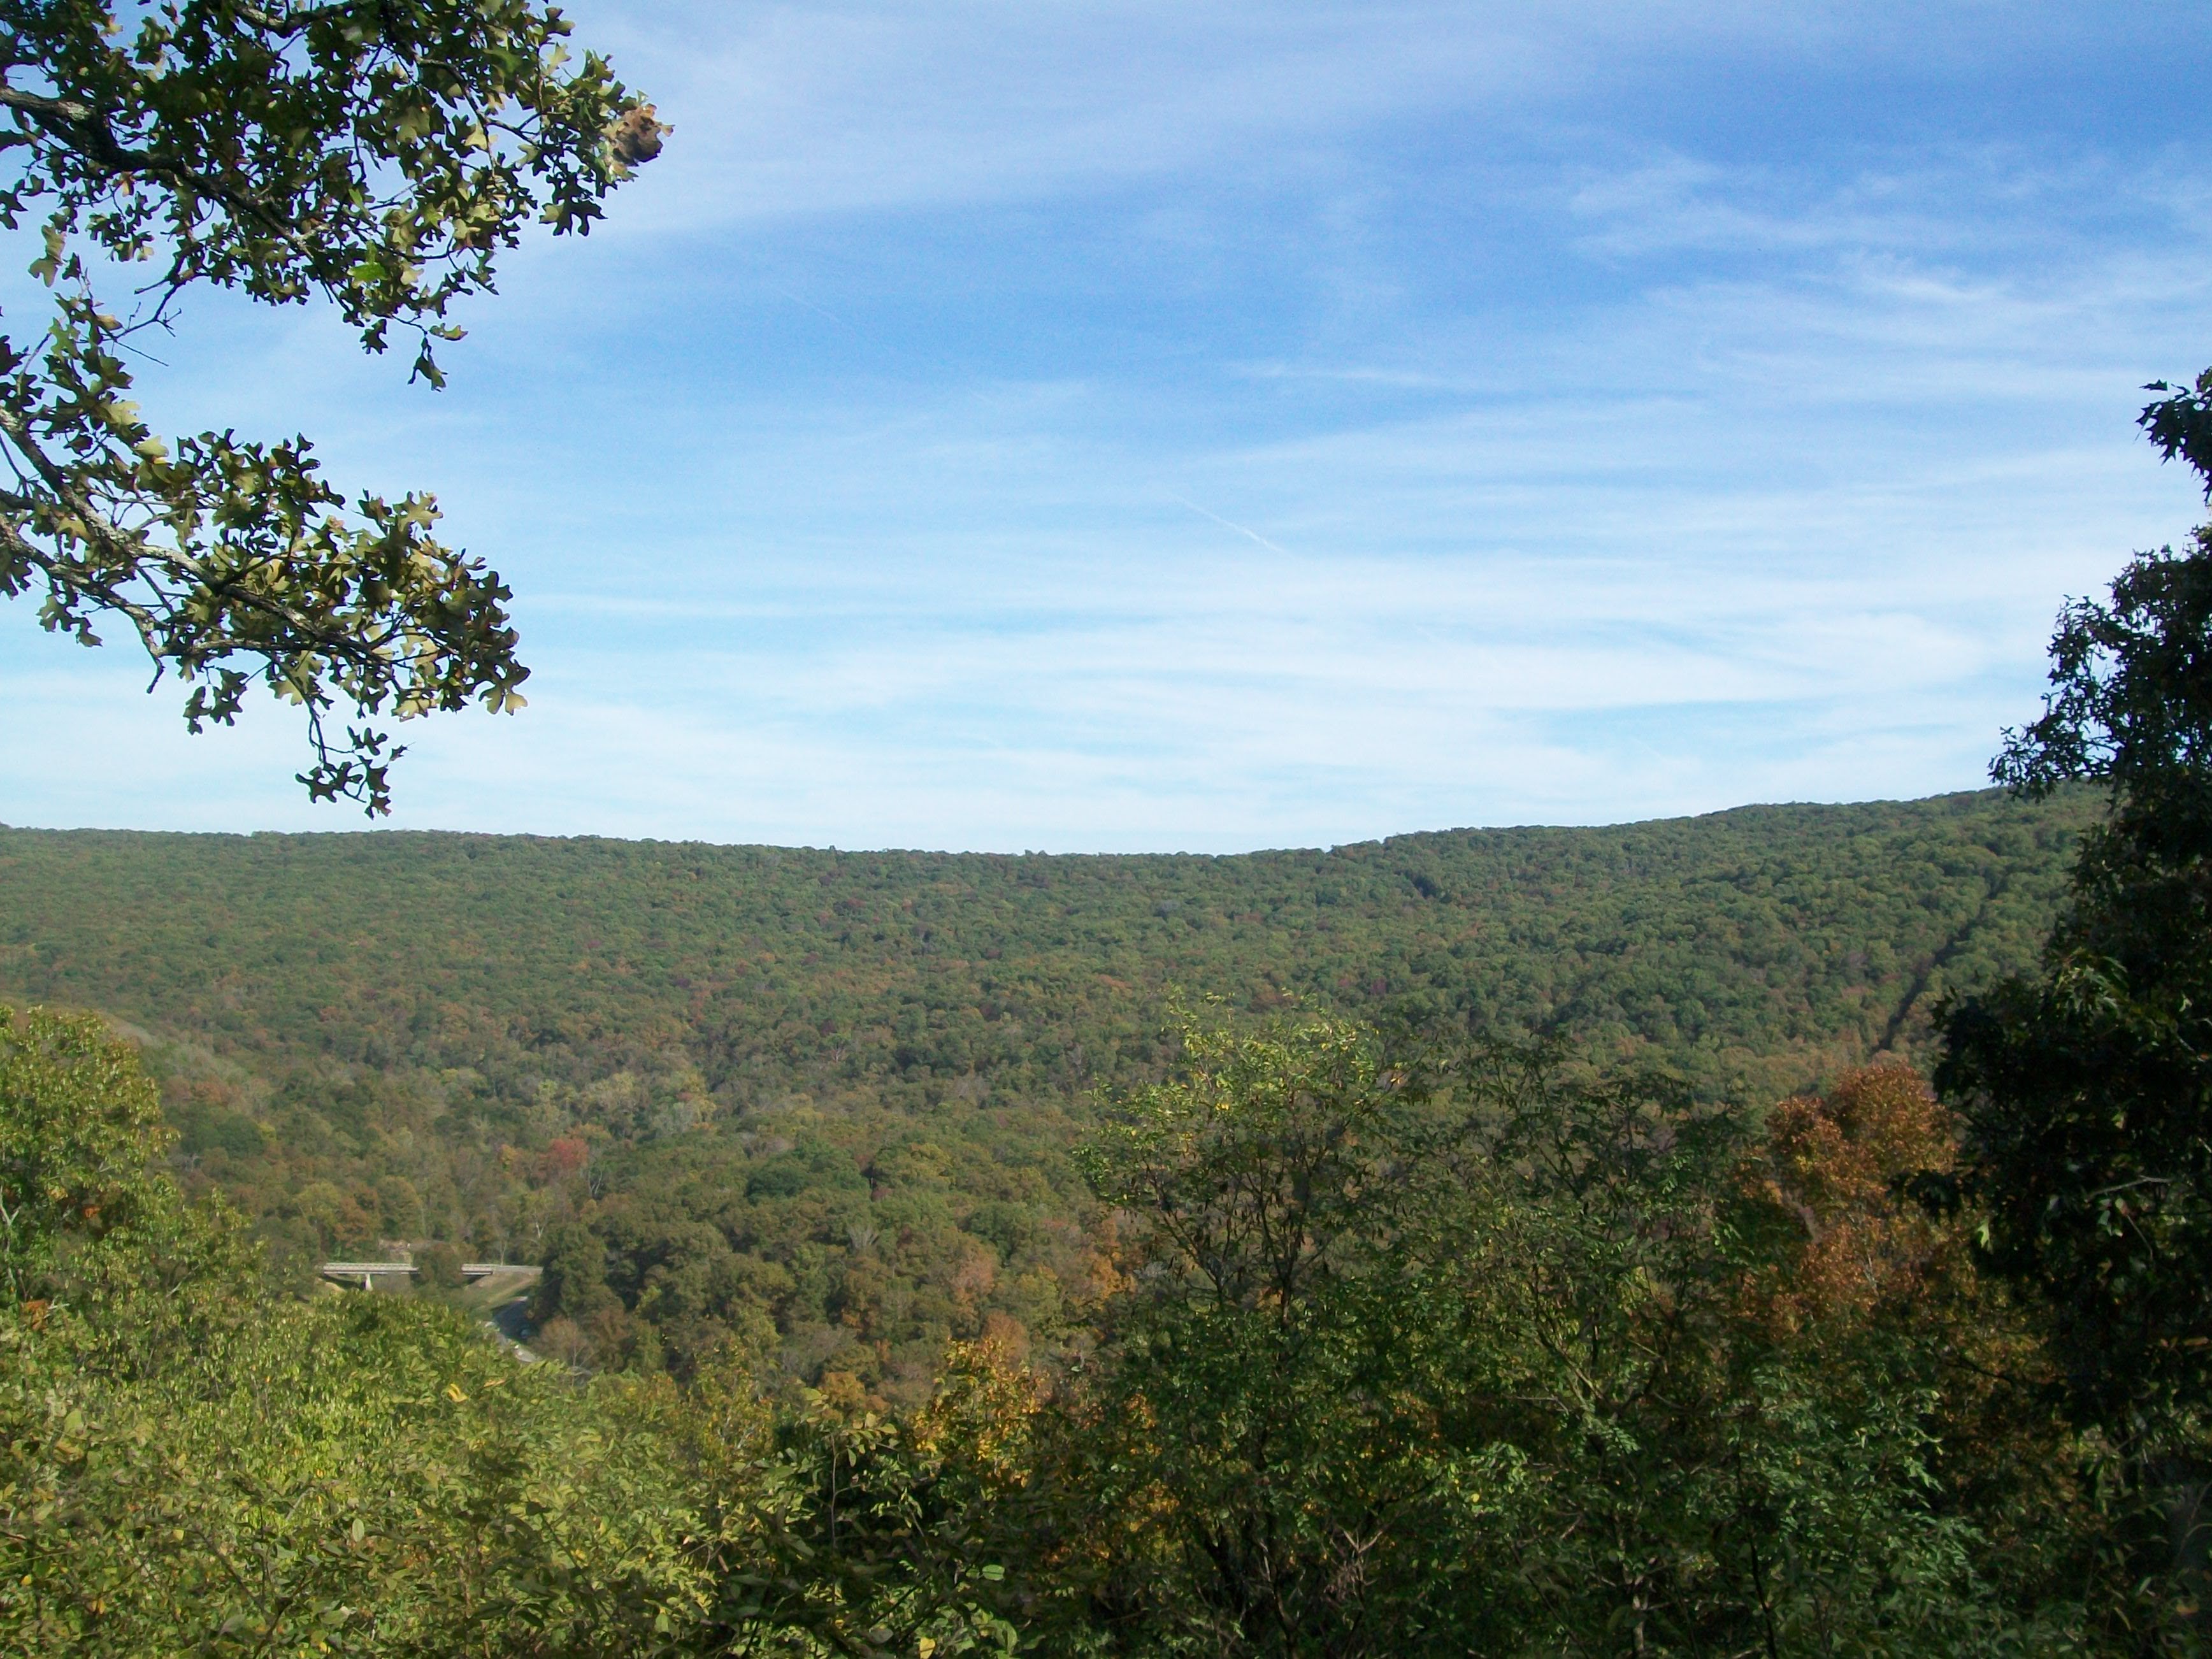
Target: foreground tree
(1488, 1352)
(189, 1465)
(2088, 1087)
(374, 155)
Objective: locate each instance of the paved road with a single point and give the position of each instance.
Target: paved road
(509, 1318)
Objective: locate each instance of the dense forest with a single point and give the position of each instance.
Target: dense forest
(837, 1090)
(1762, 944)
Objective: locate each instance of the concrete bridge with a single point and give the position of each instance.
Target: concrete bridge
(366, 1274)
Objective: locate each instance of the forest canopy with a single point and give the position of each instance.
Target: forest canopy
(834, 1095)
(1391, 1350)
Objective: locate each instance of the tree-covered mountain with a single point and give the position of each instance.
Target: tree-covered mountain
(833, 1091)
(1777, 941)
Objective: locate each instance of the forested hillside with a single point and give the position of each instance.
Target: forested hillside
(833, 1091)
(1781, 940)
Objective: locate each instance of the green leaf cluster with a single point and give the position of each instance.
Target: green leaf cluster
(1397, 1347)
(377, 158)
(1449, 1351)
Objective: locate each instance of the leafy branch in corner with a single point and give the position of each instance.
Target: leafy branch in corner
(376, 155)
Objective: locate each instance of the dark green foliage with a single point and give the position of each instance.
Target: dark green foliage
(2130, 705)
(2180, 423)
(574, 1284)
(876, 1535)
(2088, 1088)
(439, 1266)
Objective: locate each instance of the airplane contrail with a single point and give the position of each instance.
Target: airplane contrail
(1229, 524)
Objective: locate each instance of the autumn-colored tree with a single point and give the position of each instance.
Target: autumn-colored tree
(1849, 1273)
(1826, 1175)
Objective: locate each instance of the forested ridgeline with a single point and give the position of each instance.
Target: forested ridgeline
(1781, 940)
(716, 1088)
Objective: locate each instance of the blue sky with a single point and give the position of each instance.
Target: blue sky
(1145, 426)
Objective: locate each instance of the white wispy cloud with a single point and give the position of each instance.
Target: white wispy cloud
(1096, 426)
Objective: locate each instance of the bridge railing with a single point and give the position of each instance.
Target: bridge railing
(366, 1271)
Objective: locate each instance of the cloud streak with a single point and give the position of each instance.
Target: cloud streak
(1113, 426)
